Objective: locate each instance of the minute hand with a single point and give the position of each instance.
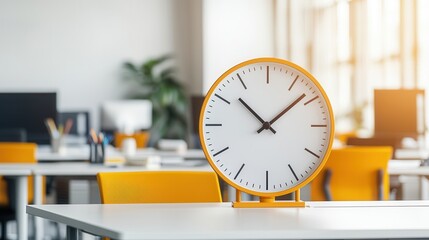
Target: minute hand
(284, 111)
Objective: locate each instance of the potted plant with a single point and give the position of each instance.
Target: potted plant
(159, 84)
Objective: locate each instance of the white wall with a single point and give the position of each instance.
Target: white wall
(77, 47)
(235, 31)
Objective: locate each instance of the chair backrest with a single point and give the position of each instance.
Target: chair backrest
(141, 138)
(159, 187)
(16, 153)
(354, 173)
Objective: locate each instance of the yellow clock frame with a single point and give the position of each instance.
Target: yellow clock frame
(268, 199)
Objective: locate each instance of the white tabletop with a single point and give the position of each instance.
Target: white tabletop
(6, 171)
(81, 153)
(88, 169)
(320, 220)
(407, 167)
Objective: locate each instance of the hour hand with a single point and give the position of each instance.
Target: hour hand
(255, 114)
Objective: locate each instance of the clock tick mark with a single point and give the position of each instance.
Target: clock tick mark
(223, 85)
(221, 165)
(221, 151)
(239, 171)
(221, 98)
(266, 180)
(309, 101)
(293, 172)
(228, 81)
(241, 80)
(318, 125)
(220, 89)
(290, 87)
(312, 153)
(213, 124)
(268, 74)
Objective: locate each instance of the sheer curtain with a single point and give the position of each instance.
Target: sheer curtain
(355, 46)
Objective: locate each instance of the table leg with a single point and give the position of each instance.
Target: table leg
(72, 233)
(38, 199)
(424, 188)
(21, 203)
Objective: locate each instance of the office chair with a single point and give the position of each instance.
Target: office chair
(141, 138)
(158, 187)
(354, 173)
(13, 153)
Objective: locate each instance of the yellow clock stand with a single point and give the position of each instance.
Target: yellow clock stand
(268, 202)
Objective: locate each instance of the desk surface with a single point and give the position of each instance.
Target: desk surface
(87, 169)
(81, 153)
(320, 220)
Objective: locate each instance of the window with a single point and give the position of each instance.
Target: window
(355, 46)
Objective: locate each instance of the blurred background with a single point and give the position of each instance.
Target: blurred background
(78, 48)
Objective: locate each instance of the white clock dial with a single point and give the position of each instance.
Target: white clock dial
(266, 127)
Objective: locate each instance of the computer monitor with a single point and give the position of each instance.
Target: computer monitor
(126, 116)
(399, 113)
(28, 110)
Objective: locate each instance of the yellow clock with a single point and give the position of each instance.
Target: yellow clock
(266, 128)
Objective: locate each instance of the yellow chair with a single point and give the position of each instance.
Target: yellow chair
(141, 138)
(158, 187)
(354, 173)
(14, 153)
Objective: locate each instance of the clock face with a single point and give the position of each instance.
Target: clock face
(266, 127)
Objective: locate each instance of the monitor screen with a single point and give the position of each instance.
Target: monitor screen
(126, 115)
(28, 111)
(399, 112)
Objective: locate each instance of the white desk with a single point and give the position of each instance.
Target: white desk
(321, 220)
(81, 153)
(20, 178)
(39, 170)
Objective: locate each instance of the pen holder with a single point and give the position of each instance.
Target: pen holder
(97, 153)
(57, 145)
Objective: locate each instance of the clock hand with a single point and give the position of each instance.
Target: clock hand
(267, 124)
(255, 114)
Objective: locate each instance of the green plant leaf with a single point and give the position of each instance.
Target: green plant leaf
(166, 94)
